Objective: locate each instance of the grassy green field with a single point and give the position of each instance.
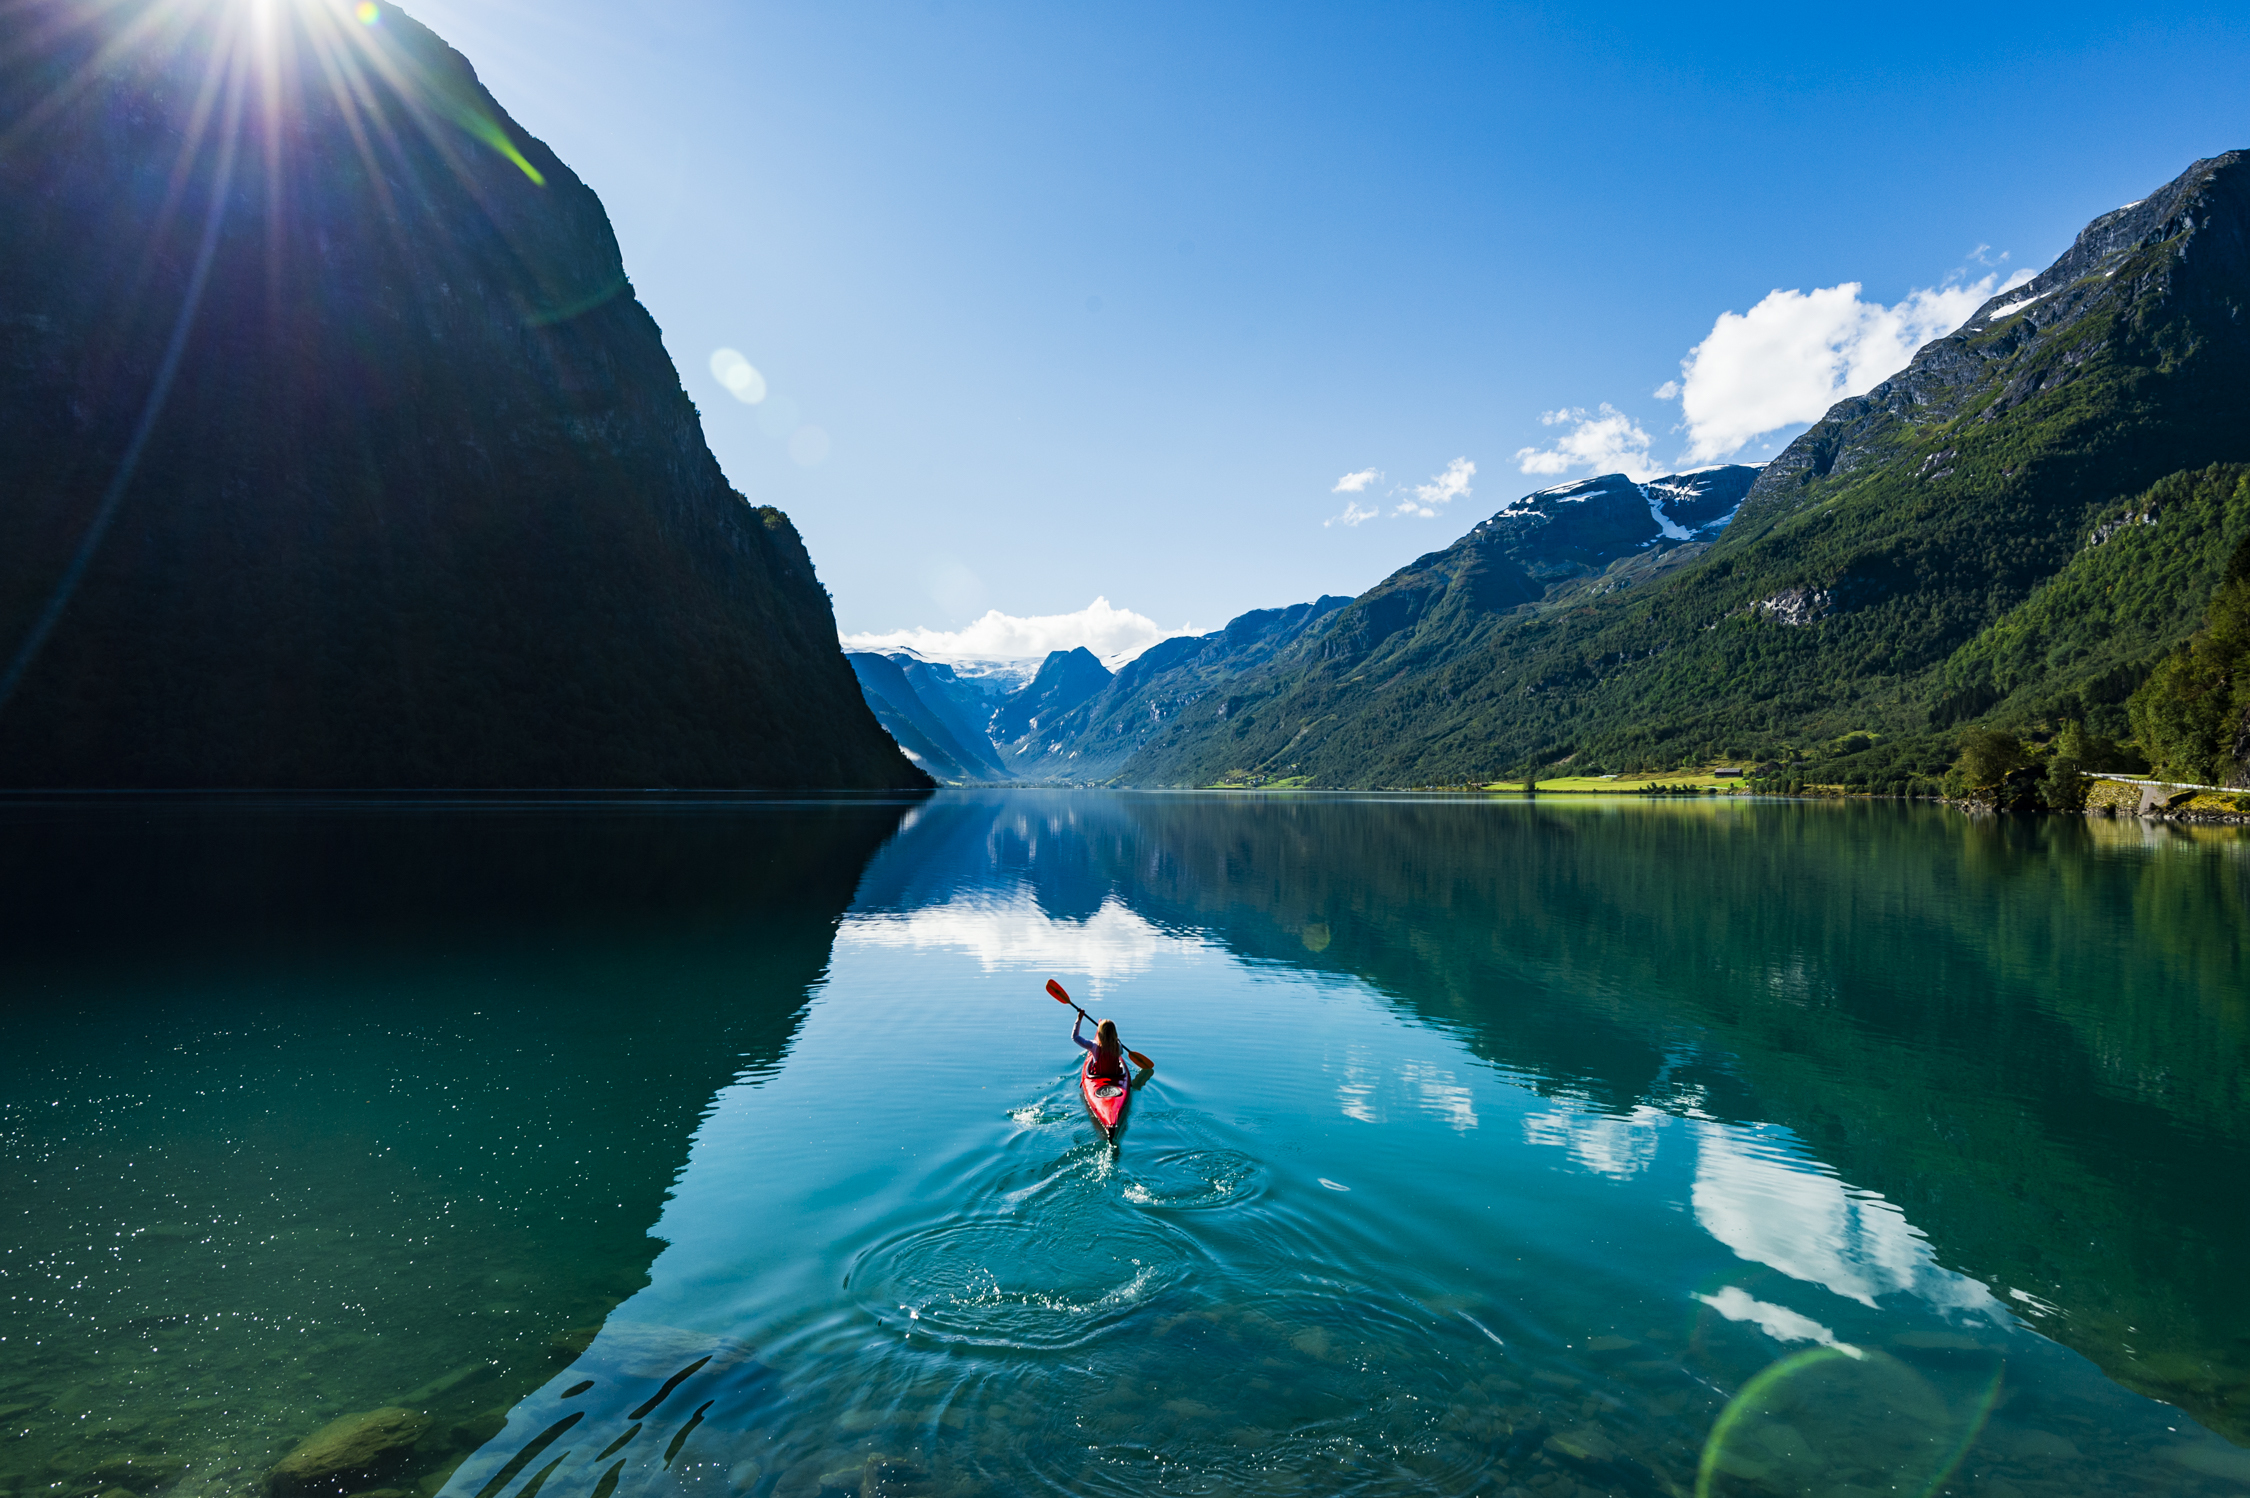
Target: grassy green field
(1618, 785)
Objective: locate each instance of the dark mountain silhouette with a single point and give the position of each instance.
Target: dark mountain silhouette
(493, 1027)
(341, 453)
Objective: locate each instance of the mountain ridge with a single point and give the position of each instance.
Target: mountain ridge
(1862, 559)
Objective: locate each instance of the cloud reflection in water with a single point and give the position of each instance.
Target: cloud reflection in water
(1011, 931)
(1756, 1192)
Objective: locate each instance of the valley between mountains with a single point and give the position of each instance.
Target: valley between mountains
(2022, 534)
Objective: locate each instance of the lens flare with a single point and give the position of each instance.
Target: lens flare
(1827, 1410)
(368, 13)
(741, 378)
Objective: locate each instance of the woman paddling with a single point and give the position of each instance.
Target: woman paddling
(1109, 1052)
(1102, 1078)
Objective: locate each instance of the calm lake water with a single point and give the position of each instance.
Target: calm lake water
(1493, 1147)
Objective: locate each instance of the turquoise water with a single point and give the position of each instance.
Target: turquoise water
(1492, 1147)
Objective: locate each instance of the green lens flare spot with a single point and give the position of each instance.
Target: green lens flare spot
(487, 129)
(1829, 1414)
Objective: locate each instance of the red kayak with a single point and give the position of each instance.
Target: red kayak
(1106, 1097)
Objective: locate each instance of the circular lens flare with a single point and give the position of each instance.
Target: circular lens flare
(742, 380)
(368, 12)
(1825, 1410)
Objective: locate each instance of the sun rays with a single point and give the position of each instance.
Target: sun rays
(251, 93)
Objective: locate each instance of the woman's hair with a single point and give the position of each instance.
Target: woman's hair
(1106, 1034)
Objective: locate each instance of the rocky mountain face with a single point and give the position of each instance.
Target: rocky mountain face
(1073, 721)
(916, 710)
(1861, 563)
(2156, 281)
(1092, 740)
(1066, 678)
(1556, 547)
(341, 453)
(1579, 530)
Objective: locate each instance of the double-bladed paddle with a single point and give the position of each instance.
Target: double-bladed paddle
(1056, 992)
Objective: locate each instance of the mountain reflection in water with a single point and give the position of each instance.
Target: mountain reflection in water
(1598, 1147)
(310, 1107)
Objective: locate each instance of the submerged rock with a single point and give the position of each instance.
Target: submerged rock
(136, 1474)
(877, 1477)
(478, 1429)
(349, 1455)
(467, 1373)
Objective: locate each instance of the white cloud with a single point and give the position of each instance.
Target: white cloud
(1441, 490)
(1114, 634)
(1353, 483)
(1796, 353)
(1607, 441)
(1668, 391)
(1354, 514)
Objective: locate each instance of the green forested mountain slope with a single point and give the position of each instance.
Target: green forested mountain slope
(1878, 545)
(2091, 633)
(2192, 716)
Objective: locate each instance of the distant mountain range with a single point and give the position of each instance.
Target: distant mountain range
(340, 452)
(2014, 530)
(1076, 721)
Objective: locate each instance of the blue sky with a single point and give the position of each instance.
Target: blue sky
(1066, 301)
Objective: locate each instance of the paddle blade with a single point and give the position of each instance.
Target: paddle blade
(1055, 991)
(1141, 1061)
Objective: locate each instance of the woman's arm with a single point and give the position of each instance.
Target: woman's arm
(1083, 1042)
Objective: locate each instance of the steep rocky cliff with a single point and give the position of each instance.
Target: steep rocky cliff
(2160, 282)
(341, 453)
(916, 711)
(1066, 678)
